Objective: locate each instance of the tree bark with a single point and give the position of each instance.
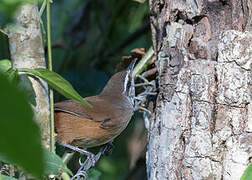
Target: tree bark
(26, 48)
(202, 125)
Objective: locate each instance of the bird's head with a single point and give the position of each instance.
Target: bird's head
(122, 84)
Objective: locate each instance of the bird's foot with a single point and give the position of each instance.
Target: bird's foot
(91, 159)
(145, 82)
(105, 149)
(90, 162)
(149, 90)
(141, 99)
(80, 174)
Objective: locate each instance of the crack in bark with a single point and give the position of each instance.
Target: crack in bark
(203, 157)
(234, 61)
(245, 13)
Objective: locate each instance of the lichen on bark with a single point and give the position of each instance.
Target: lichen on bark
(201, 128)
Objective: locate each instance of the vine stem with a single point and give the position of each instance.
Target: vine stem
(48, 27)
(143, 62)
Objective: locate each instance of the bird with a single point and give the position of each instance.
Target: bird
(79, 127)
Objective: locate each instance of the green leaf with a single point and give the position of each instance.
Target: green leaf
(247, 175)
(3, 177)
(93, 174)
(5, 64)
(4, 159)
(12, 75)
(19, 134)
(140, 1)
(54, 164)
(57, 82)
(25, 85)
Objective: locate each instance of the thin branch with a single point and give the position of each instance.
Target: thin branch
(143, 62)
(48, 25)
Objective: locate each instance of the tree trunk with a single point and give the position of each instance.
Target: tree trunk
(202, 126)
(27, 51)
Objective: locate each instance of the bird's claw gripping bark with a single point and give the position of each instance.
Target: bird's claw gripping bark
(141, 98)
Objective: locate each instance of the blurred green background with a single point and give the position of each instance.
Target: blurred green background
(89, 38)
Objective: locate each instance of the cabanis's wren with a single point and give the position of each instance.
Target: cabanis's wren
(81, 126)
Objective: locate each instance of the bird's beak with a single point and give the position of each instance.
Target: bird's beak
(131, 66)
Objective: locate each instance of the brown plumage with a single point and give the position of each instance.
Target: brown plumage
(85, 127)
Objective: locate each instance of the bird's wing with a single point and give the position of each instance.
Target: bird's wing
(71, 107)
(99, 111)
(108, 116)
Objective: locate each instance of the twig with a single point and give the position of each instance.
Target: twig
(48, 26)
(143, 62)
(5, 33)
(42, 8)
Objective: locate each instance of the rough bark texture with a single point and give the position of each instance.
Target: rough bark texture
(202, 126)
(27, 51)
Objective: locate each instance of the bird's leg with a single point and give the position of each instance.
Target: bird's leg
(105, 149)
(108, 148)
(90, 156)
(84, 167)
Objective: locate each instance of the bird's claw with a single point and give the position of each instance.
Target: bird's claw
(80, 174)
(92, 159)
